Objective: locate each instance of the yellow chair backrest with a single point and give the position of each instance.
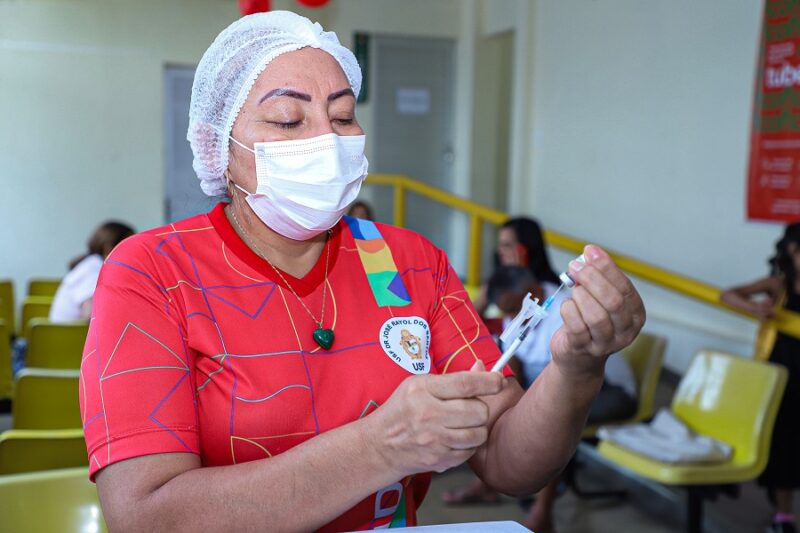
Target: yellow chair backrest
(29, 450)
(645, 356)
(7, 308)
(6, 379)
(46, 399)
(43, 286)
(33, 307)
(56, 500)
(731, 399)
(55, 345)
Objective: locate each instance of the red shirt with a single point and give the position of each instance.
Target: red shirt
(197, 345)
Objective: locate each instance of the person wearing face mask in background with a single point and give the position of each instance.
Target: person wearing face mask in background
(520, 242)
(782, 287)
(272, 365)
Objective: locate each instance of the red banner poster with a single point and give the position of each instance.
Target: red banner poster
(773, 184)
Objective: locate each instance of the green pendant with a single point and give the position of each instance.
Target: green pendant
(324, 337)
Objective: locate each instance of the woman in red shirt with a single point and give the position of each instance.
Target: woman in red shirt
(272, 366)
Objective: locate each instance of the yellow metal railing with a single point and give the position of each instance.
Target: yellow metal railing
(784, 321)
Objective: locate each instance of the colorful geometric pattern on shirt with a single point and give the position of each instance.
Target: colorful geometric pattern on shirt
(193, 349)
(376, 257)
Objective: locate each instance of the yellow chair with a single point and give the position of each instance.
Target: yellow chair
(43, 286)
(7, 307)
(6, 379)
(645, 357)
(728, 398)
(56, 500)
(55, 345)
(33, 307)
(46, 399)
(28, 450)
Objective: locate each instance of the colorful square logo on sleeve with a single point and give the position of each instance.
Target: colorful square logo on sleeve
(376, 258)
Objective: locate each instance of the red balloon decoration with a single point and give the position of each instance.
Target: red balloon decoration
(313, 3)
(248, 7)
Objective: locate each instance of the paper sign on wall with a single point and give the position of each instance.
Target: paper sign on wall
(413, 101)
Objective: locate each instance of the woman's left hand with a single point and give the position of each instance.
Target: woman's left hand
(604, 315)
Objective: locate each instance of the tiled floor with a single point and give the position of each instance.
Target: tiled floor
(644, 510)
(648, 508)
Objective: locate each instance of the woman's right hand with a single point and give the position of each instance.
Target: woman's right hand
(434, 422)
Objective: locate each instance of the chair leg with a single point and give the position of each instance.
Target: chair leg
(694, 510)
(570, 477)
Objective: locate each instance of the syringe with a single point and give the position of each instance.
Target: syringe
(528, 318)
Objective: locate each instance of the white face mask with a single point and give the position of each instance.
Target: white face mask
(305, 186)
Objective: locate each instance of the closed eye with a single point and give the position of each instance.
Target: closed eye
(286, 125)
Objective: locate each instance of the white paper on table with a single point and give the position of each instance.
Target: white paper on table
(470, 527)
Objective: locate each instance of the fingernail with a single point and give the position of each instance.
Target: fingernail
(576, 266)
(593, 252)
(477, 366)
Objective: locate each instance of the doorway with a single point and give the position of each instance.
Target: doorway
(182, 194)
(413, 126)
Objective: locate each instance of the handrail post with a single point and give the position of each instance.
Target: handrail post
(474, 258)
(399, 205)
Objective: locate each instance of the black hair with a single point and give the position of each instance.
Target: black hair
(365, 206)
(106, 236)
(509, 279)
(781, 263)
(529, 234)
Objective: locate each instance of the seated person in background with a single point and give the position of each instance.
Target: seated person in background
(73, 299)
(520, 242)
(507, 289)
(361, 209)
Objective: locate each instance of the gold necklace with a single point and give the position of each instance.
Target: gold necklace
(322, 336)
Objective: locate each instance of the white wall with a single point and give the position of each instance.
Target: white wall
(81, 85)
(639, 129)
(81, 107)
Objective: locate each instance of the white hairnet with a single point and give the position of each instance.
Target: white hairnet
(227, 72)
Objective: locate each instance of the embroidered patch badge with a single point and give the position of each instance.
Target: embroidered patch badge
(406, 339)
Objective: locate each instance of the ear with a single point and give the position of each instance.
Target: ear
(229, 183)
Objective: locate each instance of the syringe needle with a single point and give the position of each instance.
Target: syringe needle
(552, 298)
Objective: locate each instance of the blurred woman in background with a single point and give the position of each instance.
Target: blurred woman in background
(781, 287)
(73, 299)
(520, 242)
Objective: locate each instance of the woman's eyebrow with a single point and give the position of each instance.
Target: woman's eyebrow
(339, 94)
(291, 93)
(283, 91)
